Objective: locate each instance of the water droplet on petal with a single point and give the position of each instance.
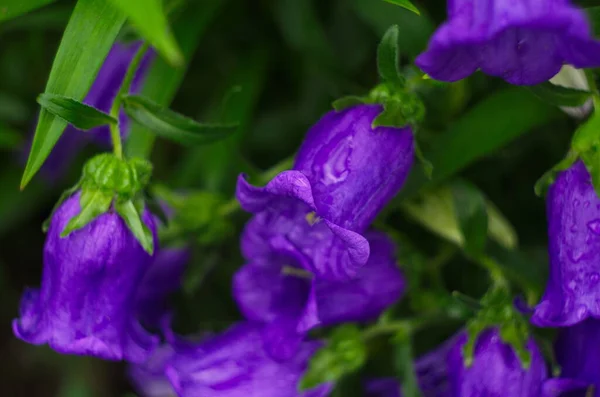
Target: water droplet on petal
(594, 226)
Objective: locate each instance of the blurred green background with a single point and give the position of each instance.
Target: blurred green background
(291, 58)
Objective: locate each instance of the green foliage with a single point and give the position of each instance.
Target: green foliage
(471, 212)
(406, 4)
(388, 57)
(13, 8)
(150, 20)
(91, 31)
(171, 125)
(78, 114)
(560, 96)
(344, 353)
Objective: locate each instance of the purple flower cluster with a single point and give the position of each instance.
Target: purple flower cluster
(311, 259)
(525, 42)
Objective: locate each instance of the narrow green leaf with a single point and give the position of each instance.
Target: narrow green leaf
(162, 79)
(406, 4)
(127, 210)
(91, 31)
(150, 20)
(560, 96)
(93, 204)
(13, 8)
(76, 113)
(479, 132)
(471, 213)
(388, 57)
(174, 126)
(403, 361)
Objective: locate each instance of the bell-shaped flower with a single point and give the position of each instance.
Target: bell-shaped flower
(525, 42)
(573, 290)
(345, 172)
(101, 96)
(277, 291)
(578, 354)
(231, 364)
(86, 303)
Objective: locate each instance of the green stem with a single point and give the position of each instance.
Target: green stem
(589, 75)
(115, 130)
(388, 328)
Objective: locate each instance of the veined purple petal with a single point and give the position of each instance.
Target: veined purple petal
(525, 42)
(234, 364)
(86, 302)
(573, 290)
(344, 174)
(276, 291)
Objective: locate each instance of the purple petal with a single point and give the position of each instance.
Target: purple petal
(524, 42)
(86, 302)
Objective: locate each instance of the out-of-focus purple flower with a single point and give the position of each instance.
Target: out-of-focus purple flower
(149, 378)
(573, 289)
(276, 291)
(231, 364)
(101, 95)
(524, 42)
(86, 304)
(344, 173)
(578, 354)
(496, 370)
(164, 277)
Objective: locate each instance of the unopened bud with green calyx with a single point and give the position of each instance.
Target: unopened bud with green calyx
(109, 183)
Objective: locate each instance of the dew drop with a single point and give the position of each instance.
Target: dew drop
(594, 226)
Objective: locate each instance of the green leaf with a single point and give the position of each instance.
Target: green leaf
(162, 80)
(133, 219)
(471, 213)
(91, 31)
(388, 57)
(174, 126)
(93, 203)
(13, 8)
(406, 4)
(480, 131)
(78, 114)
(560, 96)
(148, 17)
(344, 353)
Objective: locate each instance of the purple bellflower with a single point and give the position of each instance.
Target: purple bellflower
(101, 95)
(291, 301)
(86, 303)
(163, 278)
(573, 290)
(345, 172)
(525, 42)
(578, 354)
(496, 371)
(231, 364)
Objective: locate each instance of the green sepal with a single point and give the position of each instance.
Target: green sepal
(168, 124)
(404, 4)
(543, 184)
(586, 143)
(132, 216)
(348, 102)
(78, 114)
(65, 195)
(93, 203)
(388, 56)
(498, 311)
(344, 353)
